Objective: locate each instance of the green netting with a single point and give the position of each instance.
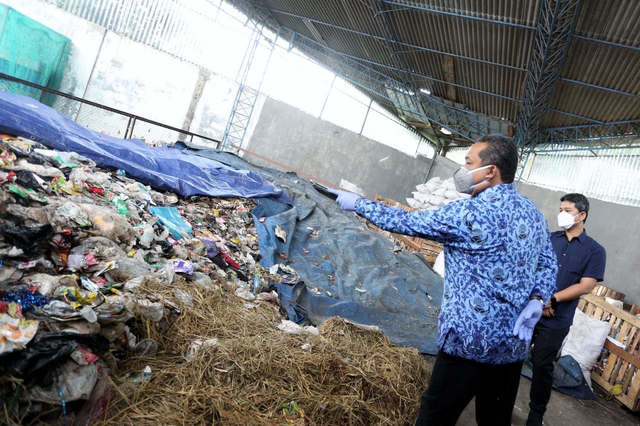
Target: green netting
(31, 51)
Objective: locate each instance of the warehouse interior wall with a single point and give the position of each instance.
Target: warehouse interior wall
(331, 153)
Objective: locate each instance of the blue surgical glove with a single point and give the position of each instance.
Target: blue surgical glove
(346, 200)
(527, 320)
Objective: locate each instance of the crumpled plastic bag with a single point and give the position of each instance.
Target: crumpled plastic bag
(128, 269)
(110, 224)
(291, 327)
(74, 381)
(15, 333)
(47, 350)
(72, 211)
(99, 247)
(46, 284)
(170, 217)
(31, 239)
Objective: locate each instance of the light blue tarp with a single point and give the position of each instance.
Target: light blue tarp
(347, 269)
(162, 168)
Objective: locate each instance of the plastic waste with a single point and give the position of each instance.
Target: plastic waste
(183, 266)
(31, 180)
(37, 168)
(31, 239)
(15, 333)
(99, 247)
(140, 377)
(44, 284)
(197, 345)
(128, 268)
(153, 310)
(72, 211)
(145, 347)
(146, 235)
(47, 264)
(170, 217)
(109, 224)
(73, 382)
(118, 201)
(183, 297)
(291, 327)
(48, 349)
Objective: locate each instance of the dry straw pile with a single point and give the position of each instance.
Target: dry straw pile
(344, 376)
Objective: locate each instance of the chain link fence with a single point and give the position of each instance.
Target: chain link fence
(104, 119)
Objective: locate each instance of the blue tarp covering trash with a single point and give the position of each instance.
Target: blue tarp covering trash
(162, 168)
(346, 269)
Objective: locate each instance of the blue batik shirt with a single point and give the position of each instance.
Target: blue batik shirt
(497, 256)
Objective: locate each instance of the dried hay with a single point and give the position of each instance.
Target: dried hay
(348, 376)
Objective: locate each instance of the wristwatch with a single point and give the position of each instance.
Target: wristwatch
(538, 298)
(554, 303)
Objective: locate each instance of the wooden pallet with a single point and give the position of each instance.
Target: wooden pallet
(429, 249)
(604, 291)
(617, 365)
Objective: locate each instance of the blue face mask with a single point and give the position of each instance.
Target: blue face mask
(463, 179)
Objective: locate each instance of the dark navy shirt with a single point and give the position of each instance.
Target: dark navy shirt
(582, 257)
(498, 254)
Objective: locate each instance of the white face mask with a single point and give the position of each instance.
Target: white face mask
(566, 220)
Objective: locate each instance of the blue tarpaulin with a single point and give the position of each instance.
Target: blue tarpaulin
(162, 168)
(346, 269)
(567, 377)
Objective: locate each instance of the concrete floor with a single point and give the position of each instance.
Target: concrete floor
(565, 410)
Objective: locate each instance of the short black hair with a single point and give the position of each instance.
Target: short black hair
(502, 153)
(581, 202)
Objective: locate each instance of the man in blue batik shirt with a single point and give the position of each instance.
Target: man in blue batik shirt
(500, 270)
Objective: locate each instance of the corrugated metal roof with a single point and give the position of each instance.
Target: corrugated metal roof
(477, 54)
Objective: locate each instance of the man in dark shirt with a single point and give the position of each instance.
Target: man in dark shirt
(581, 262)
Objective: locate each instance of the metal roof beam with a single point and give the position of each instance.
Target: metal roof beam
(555, 25)
(620, 131)
(411, 46)
(493, 21)
(568, 114)
(457, 15)
(609, 43)
(595, 86)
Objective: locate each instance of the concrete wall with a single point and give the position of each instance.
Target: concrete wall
(331, 153)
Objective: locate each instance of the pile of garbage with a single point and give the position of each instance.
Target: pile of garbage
(76, 242)
(104, 281)
(435, 193)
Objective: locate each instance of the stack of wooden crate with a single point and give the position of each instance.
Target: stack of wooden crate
(619, 362)
(428, 249)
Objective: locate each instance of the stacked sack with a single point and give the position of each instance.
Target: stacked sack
(435, 193)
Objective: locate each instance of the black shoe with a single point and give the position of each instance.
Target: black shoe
(534, 419)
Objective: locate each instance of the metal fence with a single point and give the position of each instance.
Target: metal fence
(104, 119)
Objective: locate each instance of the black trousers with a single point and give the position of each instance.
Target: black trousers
(546, 344)
(455, 381)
